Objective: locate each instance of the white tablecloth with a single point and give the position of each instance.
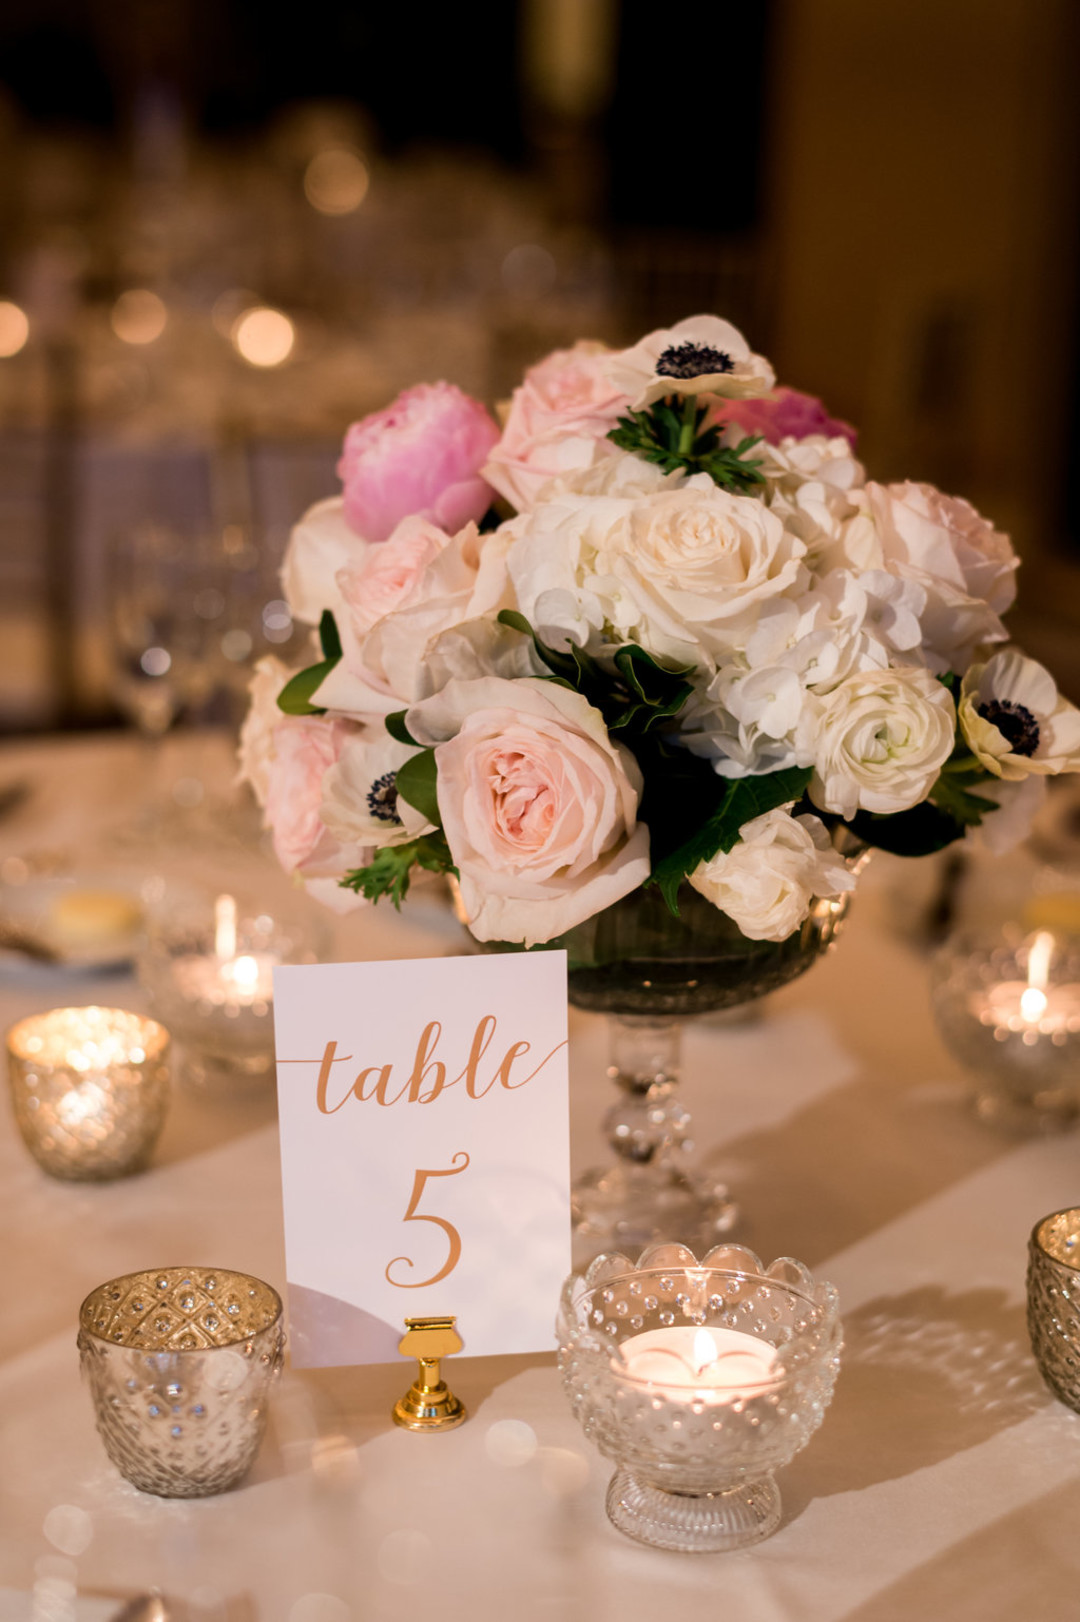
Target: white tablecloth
(944, 1484)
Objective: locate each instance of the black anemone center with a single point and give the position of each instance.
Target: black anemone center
(382, 798)
(1017, 725)
(693, 360)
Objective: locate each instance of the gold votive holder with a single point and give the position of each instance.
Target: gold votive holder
(90, 1088)
(180, 1362)
(1053, 1302)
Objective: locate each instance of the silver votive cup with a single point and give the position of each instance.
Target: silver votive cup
(90, 1088)
(1053, 1302)
(180, 1363)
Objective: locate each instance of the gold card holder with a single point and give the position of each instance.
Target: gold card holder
(429, 1404)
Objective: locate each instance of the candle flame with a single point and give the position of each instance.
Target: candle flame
(705, 1351)
(245, 973)
(225, 927)
(1033, 1001)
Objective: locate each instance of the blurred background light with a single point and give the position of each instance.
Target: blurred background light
(14, 328)
(139, 316)
(336, 181)
(263, 337)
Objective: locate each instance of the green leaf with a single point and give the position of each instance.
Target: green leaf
(953, 795)
(416, 783)
(395, 725)
(329, 639)
(660, 434)
(390, 870)
(744, 799)
(296, 695)
(918, 832)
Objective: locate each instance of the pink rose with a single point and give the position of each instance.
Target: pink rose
(782, 414)
(945, 537)
(538, 805)
(422, 455)
(305, 747)
(558, 417)
(389, 574)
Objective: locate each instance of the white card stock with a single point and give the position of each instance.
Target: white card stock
(424, 1151)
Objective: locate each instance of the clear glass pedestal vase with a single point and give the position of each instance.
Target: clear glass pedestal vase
(649, 971)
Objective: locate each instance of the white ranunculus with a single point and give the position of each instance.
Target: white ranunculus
(700, 355)
(360, 803)
(768, 880)
(256, 753)
(878, 740)
(683, 571)
(320, 546)
(1015, 720)
(538, 805)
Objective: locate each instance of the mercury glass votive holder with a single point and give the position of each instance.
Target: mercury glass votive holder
(695, 1467)
(207, 966)
(90, 1088)
(180, 1363)
(1053, 1302)
(1008, 1007)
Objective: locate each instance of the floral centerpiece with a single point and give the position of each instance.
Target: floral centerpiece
(659, 630)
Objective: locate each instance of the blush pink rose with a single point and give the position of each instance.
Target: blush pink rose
(564, 409)
(784, 413)
(389, 574)
(927, 532)
(304, 748)
(538, 805)
(422, 454)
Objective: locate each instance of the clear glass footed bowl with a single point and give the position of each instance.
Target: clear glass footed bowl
(636, 957)
(694, 1467)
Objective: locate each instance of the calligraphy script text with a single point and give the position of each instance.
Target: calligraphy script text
(429, 1076)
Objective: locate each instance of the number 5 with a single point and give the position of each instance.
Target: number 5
(413, 1215)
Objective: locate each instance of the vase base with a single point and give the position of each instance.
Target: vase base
(694, 1523)
(626, 1207)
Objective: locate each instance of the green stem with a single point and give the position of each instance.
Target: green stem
(688, 433)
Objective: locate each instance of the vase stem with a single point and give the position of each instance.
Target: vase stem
(649, 1124)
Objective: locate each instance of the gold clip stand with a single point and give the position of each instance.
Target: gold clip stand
(429, 1404)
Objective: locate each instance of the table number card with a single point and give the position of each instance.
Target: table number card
(424, 1115)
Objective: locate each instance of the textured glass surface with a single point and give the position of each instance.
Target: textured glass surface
(1028, 1067)
(636, 958)
(697, 1474)
(180, 1363)
(90, 1090)
(1053, 1298)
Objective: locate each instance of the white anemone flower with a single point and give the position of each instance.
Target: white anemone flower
(701, 355)
(1015, 720)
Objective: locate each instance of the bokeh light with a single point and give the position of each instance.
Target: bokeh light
(263, 337)
(336, 181)
(139, 316)
(14, 328)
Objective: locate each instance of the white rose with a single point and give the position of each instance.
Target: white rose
(700, 355)
(539, 807)
(878, 740)
(1015, 720)
(682, 571)
(320, 546)
(256, 753)
(767, 881)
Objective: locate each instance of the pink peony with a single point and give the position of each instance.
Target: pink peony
(782, 414)
(422, 455)
(564, 409)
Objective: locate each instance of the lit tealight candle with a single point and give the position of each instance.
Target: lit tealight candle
(710, 1365)
(1031, 1008)
(90, 1087)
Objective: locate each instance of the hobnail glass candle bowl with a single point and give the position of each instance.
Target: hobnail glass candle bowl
(1008, 1007)
(694, 1469)
(180, 1362)
(1053, 1303)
